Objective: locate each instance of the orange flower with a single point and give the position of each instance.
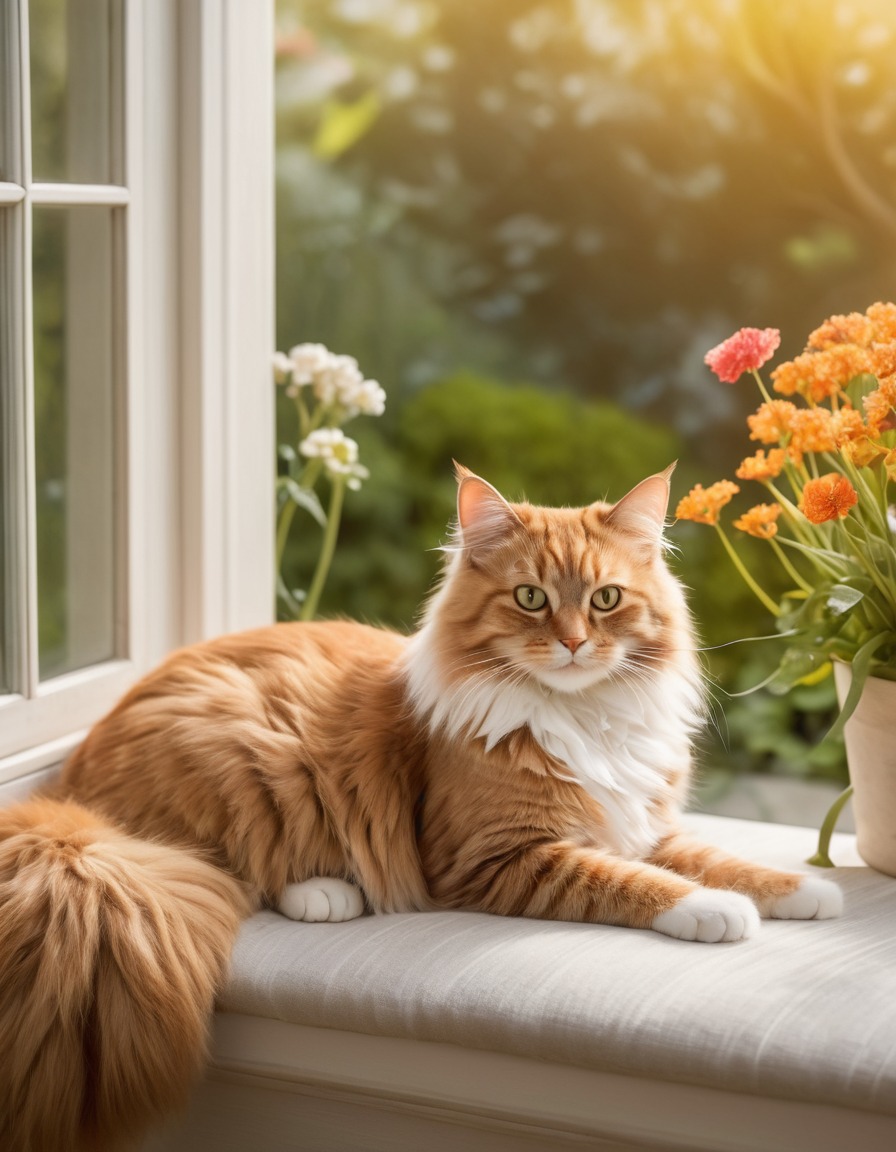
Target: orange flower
(890, 463)
(760, 521)
(883, 359)
(703, 505)
(847, 424)
(819, 375)
(812, 432)
(883, 320)
(829, 497)
(852, 329)
(879, 404)
(771, 421)
(762, 467)
(862, 451)
(793, 375)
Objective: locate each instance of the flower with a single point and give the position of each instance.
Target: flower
(831, 528)
(811, 430)
(760, 521)
(307, 361)
(760, 466)
(828, 497)
(879, 404)
(855, 328)
(820, 375)
(328, 390)
(862, 451)
(847, 425)
(282, 367)
(745, 351)
(338, 452)
(771, 422)
(883, 322)
(703, 505)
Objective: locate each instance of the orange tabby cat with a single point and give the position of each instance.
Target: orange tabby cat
(524, 753)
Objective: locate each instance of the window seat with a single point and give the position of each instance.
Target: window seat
(461, 1030)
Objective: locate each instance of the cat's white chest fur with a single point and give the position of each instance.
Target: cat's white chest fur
(621, 744)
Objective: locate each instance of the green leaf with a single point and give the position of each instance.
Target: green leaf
(842, 597)
(822, 859)
(344, 123)
(305, 498)
(861, 667)
(797, 666)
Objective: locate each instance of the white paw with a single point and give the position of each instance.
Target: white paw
(709, 915)
(815, 899)
(322, 898)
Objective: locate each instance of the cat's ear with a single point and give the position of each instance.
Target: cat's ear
(642, 513)
(484, 518)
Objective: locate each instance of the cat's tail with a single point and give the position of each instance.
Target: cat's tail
(111, 951)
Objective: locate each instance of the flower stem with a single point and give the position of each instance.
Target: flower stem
(747, 578)
(283, 525)
(762, 388)
(789, 568)
(328, 547)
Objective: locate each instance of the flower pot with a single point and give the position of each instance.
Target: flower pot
(871, 753)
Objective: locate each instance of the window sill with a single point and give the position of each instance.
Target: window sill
(537, 1035)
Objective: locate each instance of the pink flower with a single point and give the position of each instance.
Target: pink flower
(745, 350)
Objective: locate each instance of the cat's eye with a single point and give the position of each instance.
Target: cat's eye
(530, 597)
(606, 598)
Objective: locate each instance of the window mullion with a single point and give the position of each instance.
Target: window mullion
(62, 195)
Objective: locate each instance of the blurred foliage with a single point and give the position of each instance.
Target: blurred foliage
(519, 437)
(583, 195)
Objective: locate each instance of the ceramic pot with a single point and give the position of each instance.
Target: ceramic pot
(870, 736)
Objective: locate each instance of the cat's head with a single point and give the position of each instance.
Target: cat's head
(565, 597)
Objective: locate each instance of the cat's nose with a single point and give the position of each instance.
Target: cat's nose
(573, 642)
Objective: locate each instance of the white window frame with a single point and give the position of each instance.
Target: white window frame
(197, 529)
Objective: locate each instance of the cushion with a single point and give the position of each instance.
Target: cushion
(803, 1011)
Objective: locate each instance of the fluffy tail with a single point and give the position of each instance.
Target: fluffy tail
(111, 951)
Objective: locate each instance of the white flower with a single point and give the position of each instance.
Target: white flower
(307, 361)
(338, 452)
(282, 365)
(335, 382)
(368, 398)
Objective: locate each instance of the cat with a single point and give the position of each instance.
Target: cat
(525, 753)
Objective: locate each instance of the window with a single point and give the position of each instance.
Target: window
(135, 334)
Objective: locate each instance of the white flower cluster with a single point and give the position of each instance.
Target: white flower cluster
(338, 452)
(336, 381)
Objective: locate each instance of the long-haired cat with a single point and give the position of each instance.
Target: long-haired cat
(525, 753)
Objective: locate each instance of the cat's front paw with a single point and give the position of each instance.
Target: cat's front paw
(710, 915)
(321, 899)
(814, 899)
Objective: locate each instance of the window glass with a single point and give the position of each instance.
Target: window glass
(8, 80)
(74, 436)
(71, 89)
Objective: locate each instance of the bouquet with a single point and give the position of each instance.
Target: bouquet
(826, 459)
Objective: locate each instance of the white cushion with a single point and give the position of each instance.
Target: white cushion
(804, 1011)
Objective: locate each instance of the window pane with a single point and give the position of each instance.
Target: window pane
(73, 43)
(9, 73)
(74, 436)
